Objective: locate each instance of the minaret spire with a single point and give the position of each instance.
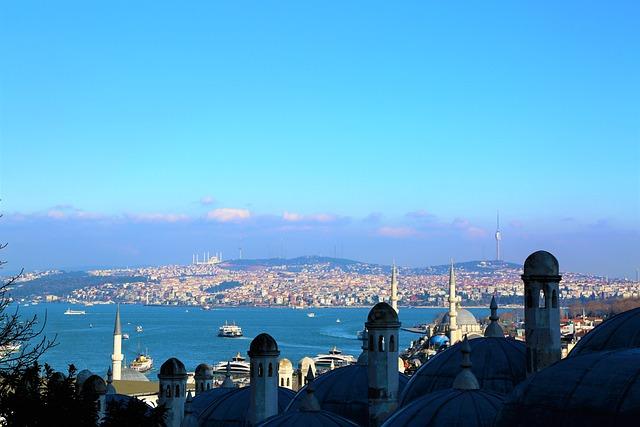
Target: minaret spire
(454, 333)
(465, 380)
(494, 329)
(116, 356)
(394, 287)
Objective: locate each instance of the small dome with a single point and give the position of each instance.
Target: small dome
(82, 377)
(499, 364)
(129, 374)
(203, 371)
(263, 345)
(620, 331)
(94, 385)
(285, 364)
(443, 408)
(382, 314)
(595, 389)
(541, 263)
(230, 407)
(439, 340)
(344, 391)
(307, 419)
(58, 377)
(463, 317)
(173, 368)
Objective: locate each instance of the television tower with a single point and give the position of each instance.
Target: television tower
(498, 237)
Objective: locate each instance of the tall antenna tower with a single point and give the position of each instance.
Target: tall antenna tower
(498, 237)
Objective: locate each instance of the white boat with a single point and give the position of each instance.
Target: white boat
(70, 312)
(125, 336)
(142, 363)
(230, 331)
(335, 356)
(337, 320)
(139, 328)
(237, 366)
(311, 314)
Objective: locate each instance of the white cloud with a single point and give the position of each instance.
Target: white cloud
(228, 215)
(397, 232)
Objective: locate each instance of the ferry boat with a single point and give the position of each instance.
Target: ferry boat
(237, 366)
(142, 363)
(125, 336)
(70, 312)
(139, 328)
(230, 331)
(312, 314)
(335, 357)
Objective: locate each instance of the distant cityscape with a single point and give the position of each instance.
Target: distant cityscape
(300, 282)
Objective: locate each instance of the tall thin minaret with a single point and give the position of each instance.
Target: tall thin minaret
(394, 287)
(116, 357)
(454, 332)
(498, 237)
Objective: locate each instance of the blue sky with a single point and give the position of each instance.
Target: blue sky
(137, 133)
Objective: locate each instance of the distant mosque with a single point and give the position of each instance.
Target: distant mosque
(490, 380)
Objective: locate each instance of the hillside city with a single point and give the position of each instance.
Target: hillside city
(302, 282)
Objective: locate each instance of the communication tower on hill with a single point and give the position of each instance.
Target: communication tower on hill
(498, 238)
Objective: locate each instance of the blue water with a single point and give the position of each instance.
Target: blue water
(190, 334)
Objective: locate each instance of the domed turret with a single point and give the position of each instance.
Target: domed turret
(618, 332)
(541, 263)
(173, 367)
(173, 390)
(382, 314)
(263, 345)
(203, 378)
(263, 377)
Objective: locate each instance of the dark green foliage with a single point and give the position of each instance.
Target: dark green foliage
(134, 413)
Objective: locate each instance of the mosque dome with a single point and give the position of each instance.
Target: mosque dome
(541, 263)
(449, 407)
(463, 317)
(285, 364)
(203, 370)
(307, 419)
(345, 392)
(94, 385)
(82, 377)
(499, 364)
(232, 406)
(172, 368)
(594, 389)
(382, 314)
(58, 377)
(618, 332)
(129, 374)
(263, 344)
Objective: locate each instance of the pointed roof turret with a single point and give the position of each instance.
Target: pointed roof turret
(117, 329)
(494, 329)
(310, 402)
(110, 388)
(466, 380)
(228, 382)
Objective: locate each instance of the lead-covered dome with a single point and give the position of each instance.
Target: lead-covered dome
(231, 407)
(94, 385)
(499, 364)
(450, 407)
(620, 331)
(203, 371)
(541, 263)
(463, 317)
(173, 368)
(596, 389)
(307, 419)
(382, 314)
(263, 344)
(344, 391)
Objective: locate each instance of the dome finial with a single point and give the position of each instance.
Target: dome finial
(494, 329)
(310, 402)
(465, 380)
(228, 382)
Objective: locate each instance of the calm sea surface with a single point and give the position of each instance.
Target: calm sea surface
(190, 334)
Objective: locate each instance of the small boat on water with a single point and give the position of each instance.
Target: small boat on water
(125, 336)
(230, 330)
(237, 366)
(337, 320)
(139, 329)
(311, 314)
(142, 363)
(70, 312)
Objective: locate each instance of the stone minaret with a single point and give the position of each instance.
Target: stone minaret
(394, 287)
(541, 311)
(173, 390)
(116, 357)
(454, 333)
(383, 329)
(203, 377)
(264, 353)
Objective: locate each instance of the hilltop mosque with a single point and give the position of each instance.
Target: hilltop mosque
(487, 381)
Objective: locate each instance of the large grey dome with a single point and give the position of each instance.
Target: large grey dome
(596, 389)
(463, 317)
(618, 332)
(129, 374)
(203, 400)
(499, 364)
(307, 419)
(450, 407)
(541, 263)
(232, 407)
(172, 368)
(344, 391)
